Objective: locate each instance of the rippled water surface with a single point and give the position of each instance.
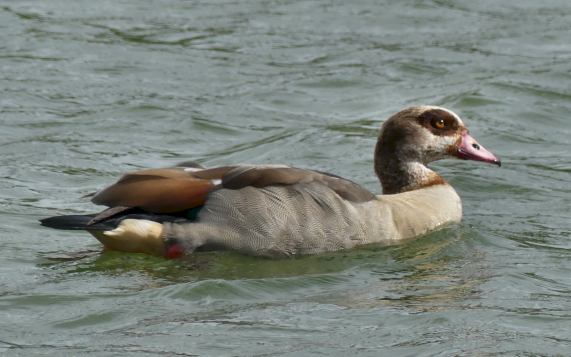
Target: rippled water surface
(90, 89)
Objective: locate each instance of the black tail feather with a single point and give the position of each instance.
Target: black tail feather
(71, 222)
(81, 222)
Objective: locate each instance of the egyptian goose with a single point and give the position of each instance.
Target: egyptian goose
(278, 211)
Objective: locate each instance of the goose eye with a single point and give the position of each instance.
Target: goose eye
(438, 123)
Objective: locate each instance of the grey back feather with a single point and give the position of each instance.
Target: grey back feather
(287, 220)
(267, 175)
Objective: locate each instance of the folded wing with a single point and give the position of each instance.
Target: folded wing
(176, 189)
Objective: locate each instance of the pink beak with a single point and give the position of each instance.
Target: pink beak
(469, 149)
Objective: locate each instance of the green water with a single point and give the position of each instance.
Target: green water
(90, 89)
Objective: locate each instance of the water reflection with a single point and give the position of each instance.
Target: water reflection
(432, 273)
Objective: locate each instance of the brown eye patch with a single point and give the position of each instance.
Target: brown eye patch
(439, 122)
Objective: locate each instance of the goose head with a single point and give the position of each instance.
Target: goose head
(417, 136)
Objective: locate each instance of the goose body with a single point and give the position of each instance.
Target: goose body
(313, 219)
(277, 211)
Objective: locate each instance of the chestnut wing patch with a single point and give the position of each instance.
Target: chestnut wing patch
(158, 190)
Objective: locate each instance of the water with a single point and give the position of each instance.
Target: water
(90, 89)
